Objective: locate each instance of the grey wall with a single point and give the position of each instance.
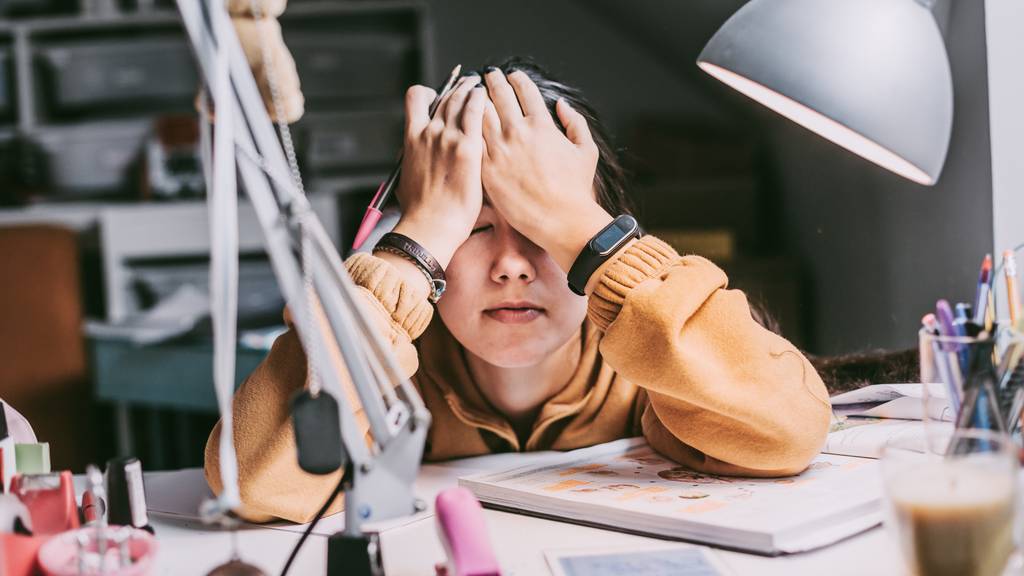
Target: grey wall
(877, 250)
(880, 250)
(573, 41)
(1004, 20)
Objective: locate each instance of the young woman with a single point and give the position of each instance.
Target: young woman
(504, 187)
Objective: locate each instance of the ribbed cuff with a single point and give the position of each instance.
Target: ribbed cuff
(645, 259)
(406, 303)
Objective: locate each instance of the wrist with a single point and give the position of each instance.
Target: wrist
(433, 236)
(571, 240)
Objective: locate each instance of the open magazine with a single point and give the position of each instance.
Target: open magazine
(625, 485)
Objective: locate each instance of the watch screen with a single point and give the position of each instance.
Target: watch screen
(607, 239)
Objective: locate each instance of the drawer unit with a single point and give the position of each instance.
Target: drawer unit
(102, 73)
(352, 65)
(352, 140)
(90, 158)
(6, 85)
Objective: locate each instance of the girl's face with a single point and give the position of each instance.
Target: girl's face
(506, 300)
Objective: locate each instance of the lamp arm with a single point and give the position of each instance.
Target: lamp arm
(383, 471)
(941, 10)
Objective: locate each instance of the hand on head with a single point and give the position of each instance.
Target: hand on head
(539, 179)
(501, 139)
(440, 189)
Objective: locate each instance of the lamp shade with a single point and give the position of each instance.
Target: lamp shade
(870, 75)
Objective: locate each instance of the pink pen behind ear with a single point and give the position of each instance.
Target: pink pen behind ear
(460, 523)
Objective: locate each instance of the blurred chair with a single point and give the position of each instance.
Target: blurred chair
(43, 370)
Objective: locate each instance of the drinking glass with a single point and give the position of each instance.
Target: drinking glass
(951, 501)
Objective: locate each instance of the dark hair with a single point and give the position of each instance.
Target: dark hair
(610, 178)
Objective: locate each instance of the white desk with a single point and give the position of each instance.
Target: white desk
(412, 549)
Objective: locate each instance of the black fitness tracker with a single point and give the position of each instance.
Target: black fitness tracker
(600, 248)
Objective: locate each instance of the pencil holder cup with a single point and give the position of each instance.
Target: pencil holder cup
(974, 382)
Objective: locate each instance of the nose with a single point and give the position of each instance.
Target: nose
(513, 257)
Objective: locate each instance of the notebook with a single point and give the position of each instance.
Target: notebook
(672, 560)
(625, 485)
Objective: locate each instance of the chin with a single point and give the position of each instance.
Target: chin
(514, 356)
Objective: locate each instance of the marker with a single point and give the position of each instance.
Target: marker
(981, 296)
(373, 212)
(947, 329)
(126, 493)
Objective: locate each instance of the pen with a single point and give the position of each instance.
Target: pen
(947, 326)
(981, 298)
(373, 212)
(964, 324)
(941, 359)
(962, 328)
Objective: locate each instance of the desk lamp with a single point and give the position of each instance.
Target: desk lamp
(244, 153)
(870, 75)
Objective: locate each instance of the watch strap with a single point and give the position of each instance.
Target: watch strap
(601, 247)
(411, 250)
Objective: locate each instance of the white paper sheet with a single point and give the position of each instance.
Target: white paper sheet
(865, 437)
(903, 401)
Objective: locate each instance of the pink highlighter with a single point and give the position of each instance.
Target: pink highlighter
(461, 526)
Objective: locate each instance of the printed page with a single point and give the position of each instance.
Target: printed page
(628, 480)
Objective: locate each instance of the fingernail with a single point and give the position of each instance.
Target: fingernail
(492, 69)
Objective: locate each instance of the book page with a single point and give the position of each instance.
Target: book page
(600, 483)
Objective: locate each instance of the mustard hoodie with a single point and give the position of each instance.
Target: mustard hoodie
(667, 352)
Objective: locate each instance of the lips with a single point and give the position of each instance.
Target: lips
(518, 312)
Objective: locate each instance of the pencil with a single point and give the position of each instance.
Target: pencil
(1012, 296)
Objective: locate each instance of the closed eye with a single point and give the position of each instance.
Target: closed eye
(482, 228)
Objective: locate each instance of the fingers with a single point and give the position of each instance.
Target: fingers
(473, 111)
(504, 97)
(417, 107)
(491, 122)
(455, 102)
(442, 107)
(530, 99)
(576, 128)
